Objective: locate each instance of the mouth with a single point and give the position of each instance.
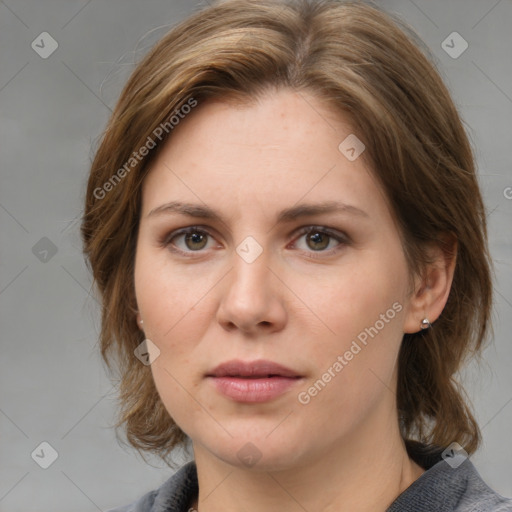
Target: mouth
(251, 382)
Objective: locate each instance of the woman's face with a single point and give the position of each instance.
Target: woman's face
(260, 239)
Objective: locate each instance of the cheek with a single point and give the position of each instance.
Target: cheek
(351, 298)
(362, 310)
(169, 297)
(167, 302)
(176, 308)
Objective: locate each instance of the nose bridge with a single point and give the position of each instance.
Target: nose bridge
(251, 298)
(250, 263)
(250, 278)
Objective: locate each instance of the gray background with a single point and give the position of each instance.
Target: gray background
(53, 387)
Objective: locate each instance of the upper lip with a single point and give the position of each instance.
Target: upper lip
(259, 368)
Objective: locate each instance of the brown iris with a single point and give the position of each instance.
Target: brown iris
(317, 240)
(195, 241)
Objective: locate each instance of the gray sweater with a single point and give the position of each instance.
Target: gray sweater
(440, 489)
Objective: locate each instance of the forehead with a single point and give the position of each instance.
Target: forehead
(275, 151)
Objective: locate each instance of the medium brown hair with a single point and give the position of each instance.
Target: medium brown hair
(374, 71)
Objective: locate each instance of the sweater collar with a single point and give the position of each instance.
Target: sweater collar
(440, 488)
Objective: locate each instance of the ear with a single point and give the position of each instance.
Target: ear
(432, 288)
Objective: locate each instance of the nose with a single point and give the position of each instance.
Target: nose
(252, 299)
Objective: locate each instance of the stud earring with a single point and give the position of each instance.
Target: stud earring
(425, 323)
(141, 322)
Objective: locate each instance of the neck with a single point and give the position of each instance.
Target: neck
(362, 473)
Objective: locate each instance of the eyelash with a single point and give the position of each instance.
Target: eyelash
(341, 238)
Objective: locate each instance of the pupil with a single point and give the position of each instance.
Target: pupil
(195, 240)
(319, 241)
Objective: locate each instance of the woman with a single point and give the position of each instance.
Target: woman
(285, 226)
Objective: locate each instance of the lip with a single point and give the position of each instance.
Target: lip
(253, 381)
(258, 368)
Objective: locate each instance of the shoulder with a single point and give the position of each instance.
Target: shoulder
(478, 496)
(449, 487)
(174, 495)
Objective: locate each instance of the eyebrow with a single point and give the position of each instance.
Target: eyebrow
(286, 215)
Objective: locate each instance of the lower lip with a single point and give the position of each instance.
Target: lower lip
(253, 390)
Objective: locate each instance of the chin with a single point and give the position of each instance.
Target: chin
(253, 452)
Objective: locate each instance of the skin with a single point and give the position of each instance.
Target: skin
(301, 303)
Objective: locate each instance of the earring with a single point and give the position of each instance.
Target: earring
(425, 324)
(141, 322)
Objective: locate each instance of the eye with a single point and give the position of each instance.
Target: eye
(319, 239)
(188, 240)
